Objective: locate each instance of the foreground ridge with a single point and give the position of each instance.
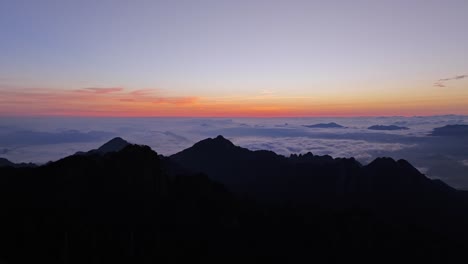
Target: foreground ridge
(216, 199)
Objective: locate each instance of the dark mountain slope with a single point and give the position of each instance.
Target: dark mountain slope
(6, 163)
(234, 166)
(118, 207)
(389, 189)
(134, 206)
(304, 177)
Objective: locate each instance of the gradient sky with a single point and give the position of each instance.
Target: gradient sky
(233, 58)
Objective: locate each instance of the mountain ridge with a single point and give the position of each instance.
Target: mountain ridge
(136, 206)
(114, 145)
(242, 169)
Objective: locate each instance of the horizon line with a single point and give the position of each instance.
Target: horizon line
(227, 116)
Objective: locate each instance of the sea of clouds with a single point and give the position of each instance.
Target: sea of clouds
(40, 140)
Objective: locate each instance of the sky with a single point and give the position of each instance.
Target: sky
(119, 58)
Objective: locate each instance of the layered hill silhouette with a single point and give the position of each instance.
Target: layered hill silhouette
(217, 202)
(6, 163)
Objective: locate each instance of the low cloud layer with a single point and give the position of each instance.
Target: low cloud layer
(362, 150)
(44, 139)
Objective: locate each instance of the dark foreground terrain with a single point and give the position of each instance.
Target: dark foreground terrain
(216, 202)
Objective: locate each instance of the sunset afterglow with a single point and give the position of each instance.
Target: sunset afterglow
(231, 58)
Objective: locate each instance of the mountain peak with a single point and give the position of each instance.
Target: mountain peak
(217, 142)
(221, 139)
(384, 159)
(114, 145)
(117, 140)
(383, 162)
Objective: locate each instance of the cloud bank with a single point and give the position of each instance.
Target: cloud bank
(44, 139)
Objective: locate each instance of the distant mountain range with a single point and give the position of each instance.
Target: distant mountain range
(374, 127)
(325, 125)
(215, 201)
(451, 131)
(7, 163)
(391, 127)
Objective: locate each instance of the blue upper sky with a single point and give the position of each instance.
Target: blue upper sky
(223, 51)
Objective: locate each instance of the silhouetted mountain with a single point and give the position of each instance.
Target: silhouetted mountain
(264, 174)
(224, 162)
(6, 163)
(327, 125)
(391, 127)
(116, 207)
(451, 131)
(135, 206)
(114, 145)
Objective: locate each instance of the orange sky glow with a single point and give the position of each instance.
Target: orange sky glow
(122, 102)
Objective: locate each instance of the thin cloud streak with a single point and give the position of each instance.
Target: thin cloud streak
(142, 92)
(101, 90)
(438, 84)
(176, 100)
(441, 82)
